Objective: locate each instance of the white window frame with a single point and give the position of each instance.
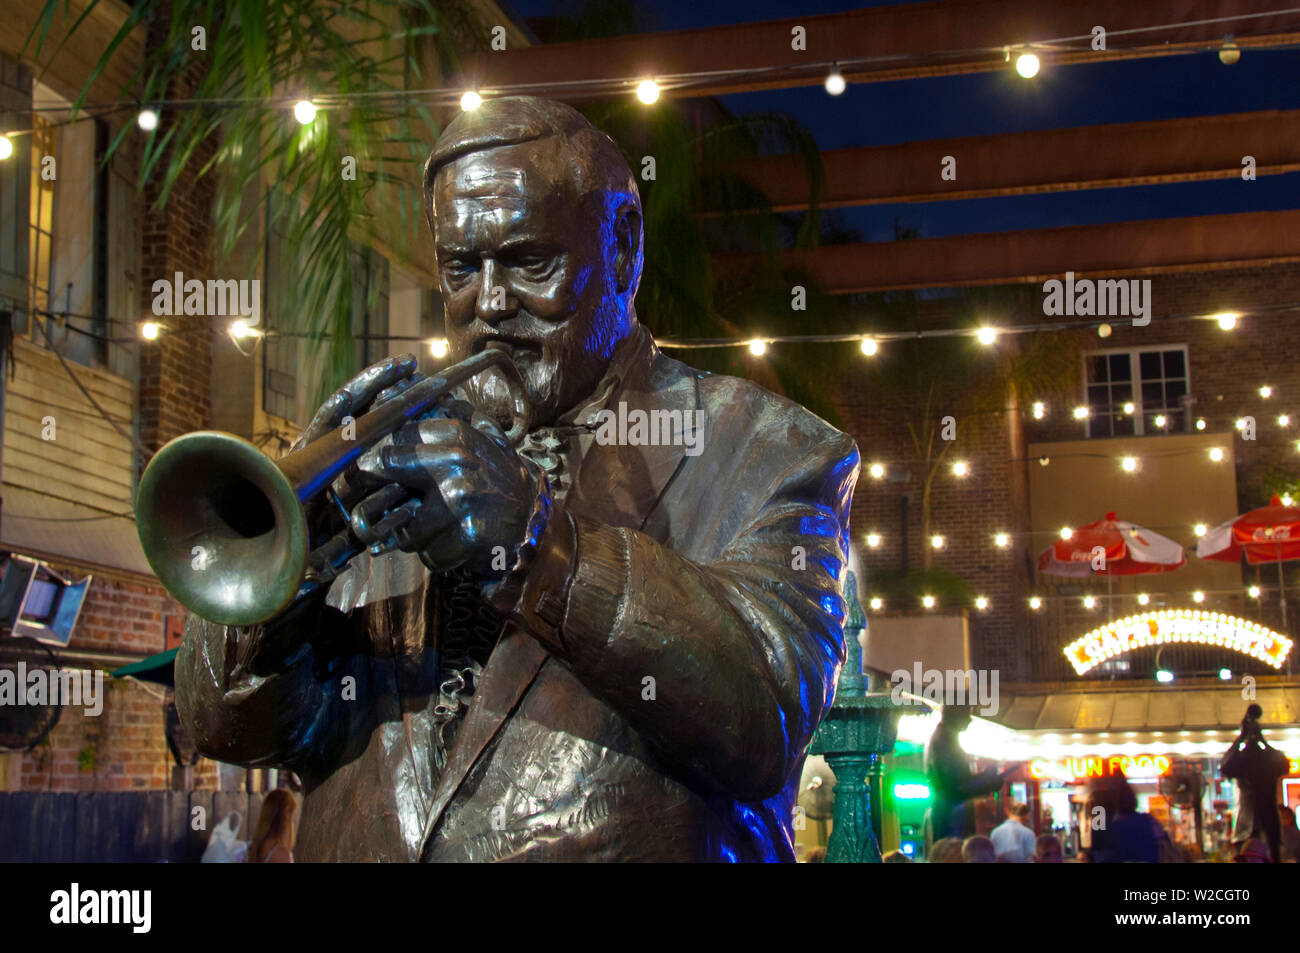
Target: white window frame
(1139, 417)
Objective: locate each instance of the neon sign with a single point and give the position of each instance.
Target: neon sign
(1096, 766)
(1173, 626)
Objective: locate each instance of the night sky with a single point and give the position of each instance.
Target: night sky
(989, 103)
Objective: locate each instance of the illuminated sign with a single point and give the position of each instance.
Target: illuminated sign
(1173, 626)
(911, 792)
(1096, 766)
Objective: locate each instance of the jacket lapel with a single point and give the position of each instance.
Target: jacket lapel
(618, 484)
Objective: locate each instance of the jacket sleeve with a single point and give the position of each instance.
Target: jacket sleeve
(271, 695)
(726, 668)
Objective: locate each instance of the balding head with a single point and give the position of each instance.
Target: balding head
(537, 223)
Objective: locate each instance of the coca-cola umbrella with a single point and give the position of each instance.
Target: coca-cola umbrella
(1127, 550)
(1270, 534)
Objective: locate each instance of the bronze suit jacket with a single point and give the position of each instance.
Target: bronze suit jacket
(661, 711)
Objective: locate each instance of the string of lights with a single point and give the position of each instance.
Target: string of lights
(648, 89)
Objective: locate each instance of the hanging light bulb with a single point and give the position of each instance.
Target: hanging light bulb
(304, 110)
(1040, 410)
(877, 603)
(1035, 603)
(150, 330)
(1129, 464)
(470, 101)
(1027, 65)
(758, 347)
(873, 540)
(438, 348)
(1216, 454)
(1230, 52)
(1253, 592)
(927, 601)
(147, 119)
(1081, 413)
(981, 603)
(1066, 532)
(986, 335)
(869, 346)
(835, 83)
(937, 541)
(1266, 392)
(1089, 602)
(1002, 540)
(877, 471)
(1198, 596)
(960, 469)
(647, 91)
(1227, 319)
(1143, 598)
(1200, 529)
(1200, 423)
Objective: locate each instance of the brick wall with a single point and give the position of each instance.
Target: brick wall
(1226, 370)
(124, 748)
(176, 370)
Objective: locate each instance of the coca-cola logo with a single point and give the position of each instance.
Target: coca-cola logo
(1271, 533)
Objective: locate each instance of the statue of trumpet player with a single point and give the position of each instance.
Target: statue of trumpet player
(584, 642)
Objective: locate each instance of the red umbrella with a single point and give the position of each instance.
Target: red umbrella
(1129, 550)
(1270, 534)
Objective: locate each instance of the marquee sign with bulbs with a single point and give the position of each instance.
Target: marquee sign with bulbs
(1171, 626)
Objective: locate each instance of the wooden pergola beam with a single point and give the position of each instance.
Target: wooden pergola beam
(1085, 157)
(904, 41)
(1125, 249)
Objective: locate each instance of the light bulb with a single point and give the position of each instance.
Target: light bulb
(1283, 420)
(873, 540)
(304, 111)
(877, 471)
(960, 468)
(147, 119)
(1035, 603)
(1160, 421)
(1040, 410)
(1002, 540)
(1266, 392)
(757, 347)
(1253, 592)
(1081, 413)
(1198, 596)
(1129, 407)
(1066, 532)
(1089, 602)
(647, 91)
(1143, 598)
(936, 541)
(986, 335)
(1027, 65)
(1227, 319)
(438, 348)
(1216, 454)
(927, 601)
(150, 330)
(470, 101)
(835, 83)
(1200, 423)
(1200, 529)
(1129, 464)
(869, 346)
(877, 602)
(981, 603)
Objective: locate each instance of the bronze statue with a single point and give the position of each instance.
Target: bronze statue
(609, 639)
(1257, 767)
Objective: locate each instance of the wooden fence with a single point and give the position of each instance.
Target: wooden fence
(117, 827)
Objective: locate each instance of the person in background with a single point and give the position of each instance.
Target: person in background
(1012, 839)
(946, 850)
(978, 850)
(1047, 850)
(273, 839)
(1124, 834)
(816, 856)
(1254, 851)
(1290, 835)
(896, 857)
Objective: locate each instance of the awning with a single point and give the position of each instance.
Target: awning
(1150, 709)
(158, 668)
(58, 531)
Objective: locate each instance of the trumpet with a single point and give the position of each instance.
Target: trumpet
(224, 526)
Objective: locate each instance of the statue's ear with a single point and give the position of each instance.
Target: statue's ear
(627, 254)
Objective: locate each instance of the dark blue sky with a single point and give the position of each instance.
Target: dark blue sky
(989, 103)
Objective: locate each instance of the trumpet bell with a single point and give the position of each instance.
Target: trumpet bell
(222, 526)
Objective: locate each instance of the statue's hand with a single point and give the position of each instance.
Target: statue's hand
(471, 494)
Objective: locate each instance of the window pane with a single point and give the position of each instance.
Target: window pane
(1174, 364)
(1174, 390)
(1098, 399)
(1121, 369)
(1119, 393)
(1124, 427)
(1096, 369)
(1152, 396)
(1150, 363)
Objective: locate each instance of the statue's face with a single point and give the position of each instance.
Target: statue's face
(524, 259)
